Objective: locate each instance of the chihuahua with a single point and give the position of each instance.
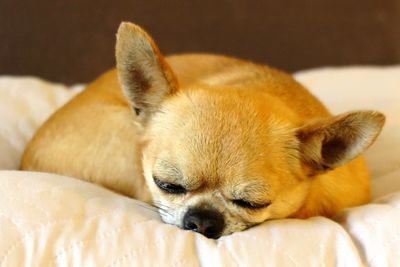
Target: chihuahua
(217, 144)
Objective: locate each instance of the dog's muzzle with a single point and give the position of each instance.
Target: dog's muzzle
(208, 222)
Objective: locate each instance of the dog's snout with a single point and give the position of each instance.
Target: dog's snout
(205, 221)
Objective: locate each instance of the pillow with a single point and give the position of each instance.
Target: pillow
(49, 220)
(25, 103)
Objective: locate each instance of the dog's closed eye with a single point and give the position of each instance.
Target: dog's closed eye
(169, 187)
(249, 205)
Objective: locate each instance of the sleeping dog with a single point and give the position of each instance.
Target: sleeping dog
(218, 144)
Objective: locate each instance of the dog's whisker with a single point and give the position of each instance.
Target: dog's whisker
(159, 204)
(147, 206)
(155, 208)
(160, 208)
(164, 208)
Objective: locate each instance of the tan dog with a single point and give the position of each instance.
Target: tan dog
(222, 144)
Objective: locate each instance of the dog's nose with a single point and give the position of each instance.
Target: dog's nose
(204, 221)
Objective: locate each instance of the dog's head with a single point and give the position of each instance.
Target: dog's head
(221, 160)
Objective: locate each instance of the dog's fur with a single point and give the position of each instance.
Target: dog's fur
(242, 139)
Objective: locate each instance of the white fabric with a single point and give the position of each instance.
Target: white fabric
(51, 220)
(25, 102)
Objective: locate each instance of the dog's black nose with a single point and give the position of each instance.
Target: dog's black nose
(204, 221)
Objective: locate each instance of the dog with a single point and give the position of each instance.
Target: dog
(217, 144)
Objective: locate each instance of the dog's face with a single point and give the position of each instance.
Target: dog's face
(218, 161)
(203, 153)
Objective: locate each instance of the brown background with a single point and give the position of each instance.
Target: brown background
(73, 40)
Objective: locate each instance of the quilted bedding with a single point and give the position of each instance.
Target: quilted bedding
(52, 220)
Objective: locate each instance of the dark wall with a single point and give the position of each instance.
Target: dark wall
(73, 40)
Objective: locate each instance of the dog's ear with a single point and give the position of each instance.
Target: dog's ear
(329, 143)
(145, 77)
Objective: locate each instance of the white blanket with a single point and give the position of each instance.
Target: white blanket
(48, 220)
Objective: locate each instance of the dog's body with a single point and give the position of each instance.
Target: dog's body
(211, 130)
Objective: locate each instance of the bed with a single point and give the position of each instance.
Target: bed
(53, 220)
